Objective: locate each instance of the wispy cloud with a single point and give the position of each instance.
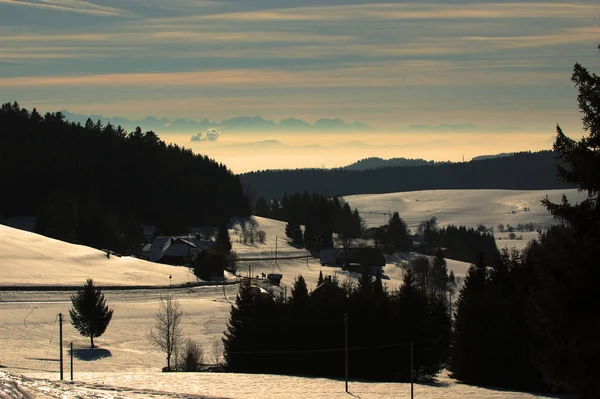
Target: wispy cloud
(408, 73)
(369, 61)
(411, 11)
(76, 6)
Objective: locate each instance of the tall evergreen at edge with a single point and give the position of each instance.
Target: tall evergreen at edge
(564, 300)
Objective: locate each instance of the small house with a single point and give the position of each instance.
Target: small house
(274, 278)
(357, 259)
(328, 256)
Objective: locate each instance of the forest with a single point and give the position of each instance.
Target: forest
(304, 334)
(96, 184)
(521, 171)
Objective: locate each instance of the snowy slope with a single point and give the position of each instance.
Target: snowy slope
(32, 259)
(461, 207)
(235, 386)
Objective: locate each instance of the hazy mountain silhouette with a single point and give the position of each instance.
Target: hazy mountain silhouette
(235, 124)
(520, 171)
(461, 127)
(375, 162)
(503, 154)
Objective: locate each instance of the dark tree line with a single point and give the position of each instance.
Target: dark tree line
(320, 215)
(392, 236)
(304, 334)
(530, 321)
(492, 342)
(212, 263)
(95, 183)
(462, 243)
(521, 171)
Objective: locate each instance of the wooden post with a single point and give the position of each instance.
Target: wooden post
(60, 340)
(71, 361)
(346, 347)
(412, 391)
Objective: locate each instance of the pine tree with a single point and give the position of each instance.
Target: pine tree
(320, 280)
(565, 304)
(398, 233)
(293, 231)
(299, 291)
(223, 241)
(439, 274)
(238, 336)
(468, 343)
(415, 322)
(90, 314)
(261, 207)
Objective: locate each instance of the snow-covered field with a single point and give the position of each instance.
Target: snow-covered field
(235, 386)
(127, 366)
(467, 208)
(461, 207)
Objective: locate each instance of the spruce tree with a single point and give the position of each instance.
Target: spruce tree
(90, 314)
(239, 335)
(320, 280)
(398, 233)
(468, 342)
(565, 304)
(223, 241)
(439, 274)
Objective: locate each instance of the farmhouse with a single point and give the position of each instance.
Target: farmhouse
(357, 259)
(178, 250)
(354, 259)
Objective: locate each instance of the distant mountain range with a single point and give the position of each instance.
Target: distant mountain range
(236, 124)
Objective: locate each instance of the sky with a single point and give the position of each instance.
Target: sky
(503, 67)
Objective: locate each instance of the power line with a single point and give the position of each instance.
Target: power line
(50, 342)
(322, 350)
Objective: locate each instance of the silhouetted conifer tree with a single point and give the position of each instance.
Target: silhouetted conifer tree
(90, 315)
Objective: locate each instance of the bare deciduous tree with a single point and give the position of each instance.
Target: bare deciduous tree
(216, 351)
(166, 333)
(261, 236)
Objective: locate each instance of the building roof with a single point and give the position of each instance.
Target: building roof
(362, 256)
(178, 250)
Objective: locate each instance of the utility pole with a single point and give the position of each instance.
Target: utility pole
(412, 391)
(71, 361)
(346, 347)
(275, 249)
(60, 340)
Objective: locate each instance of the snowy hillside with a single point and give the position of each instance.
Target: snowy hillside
(461, 207)
(32, 259)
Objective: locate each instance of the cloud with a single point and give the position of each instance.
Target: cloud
(76, 6)
(411, 11)
(209, 135)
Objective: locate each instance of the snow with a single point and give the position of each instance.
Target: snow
(461, 207)
(32, 259)
(466, 208)
(126, 365)
(237, 386)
